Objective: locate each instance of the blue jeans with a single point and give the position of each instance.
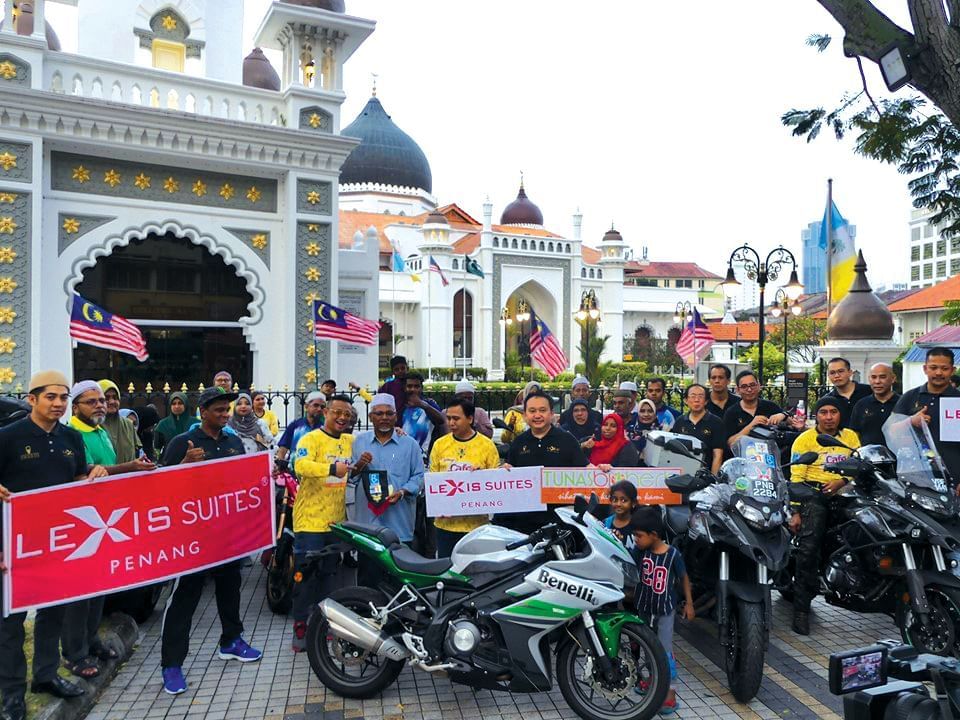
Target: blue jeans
(319, 581)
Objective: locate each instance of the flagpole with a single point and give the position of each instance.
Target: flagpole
(693, 321)
(393, 308)
(429, 312)
(316, 354)
(829, 246)
(463, 327)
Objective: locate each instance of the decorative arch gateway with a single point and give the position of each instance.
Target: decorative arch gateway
(196, 301)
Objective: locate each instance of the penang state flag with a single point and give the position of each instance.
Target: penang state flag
(544, 348)
(844, 253)
(695, 341)
(332, 323)
(93, 325)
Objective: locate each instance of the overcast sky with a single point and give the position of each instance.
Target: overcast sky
(661, 117)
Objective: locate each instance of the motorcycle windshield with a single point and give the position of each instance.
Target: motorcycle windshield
(764, 452)
(918, 462)
(753, 478)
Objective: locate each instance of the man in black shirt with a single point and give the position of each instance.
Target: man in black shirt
(37, 452)
(706, 427)
(720, 397)
(844, 388)
(870, 413)
(541, 444)
(923, 404)
(751, 410)
(206, 441)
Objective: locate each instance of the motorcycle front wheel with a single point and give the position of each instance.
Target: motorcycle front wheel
(280, 579)
(744, 653)
(942, 635)
(340, 665)
(644, 669)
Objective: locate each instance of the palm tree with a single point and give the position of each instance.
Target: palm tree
(591, 349)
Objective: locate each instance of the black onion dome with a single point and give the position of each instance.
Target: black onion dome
(336, 6)
(258, 72)
(521, 211)
(386, 154)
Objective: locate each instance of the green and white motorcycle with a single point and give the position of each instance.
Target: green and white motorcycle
(491, 616)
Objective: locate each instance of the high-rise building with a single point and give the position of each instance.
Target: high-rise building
(814, 263)
(932, 257)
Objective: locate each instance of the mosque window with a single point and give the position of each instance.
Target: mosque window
(462, 324)
(523, 245)
(550, 247)
(542, 246)
(583, 272)
(496, 243)
(591, 273)
(455, 265)
(514, 243)
(168, 40)
(169, 55)
(568, 247)
(600, 274)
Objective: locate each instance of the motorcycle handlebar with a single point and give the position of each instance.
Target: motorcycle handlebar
(533, 538)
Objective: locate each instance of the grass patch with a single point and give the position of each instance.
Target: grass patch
(35, 701)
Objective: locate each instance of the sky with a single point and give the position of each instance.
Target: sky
(661, 118)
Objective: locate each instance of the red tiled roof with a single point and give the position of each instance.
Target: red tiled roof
(467, 244)
(654, 269)
(931, 298)
(590, 255)
(353, 220)
(734, 332)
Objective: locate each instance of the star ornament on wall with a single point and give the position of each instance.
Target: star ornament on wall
(310, 298)
(310, 376)
(311, 349)
(226, 191)
(7, 315)
(111, 177)
(71, 225)
(313, 227)
(7, 284)
(7, 255)
(8, 71)
(315, 121)
(81, 174)
(199, 188)
(312, 249)
(7, 197)
(313, 197)
(171, 185)
(253, 194)
(169, 22)
(7, 225)
(8, 161)
(142, 181)
(259, 241)
(7, 375)
(312, 274)
(7, 345)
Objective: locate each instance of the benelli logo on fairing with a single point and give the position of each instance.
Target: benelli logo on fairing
(578, 591)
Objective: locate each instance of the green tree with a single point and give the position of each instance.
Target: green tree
(591, 349)
(918, 134)
(803, 336)
(951, 314)
(772, 359)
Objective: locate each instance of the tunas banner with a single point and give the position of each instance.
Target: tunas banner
(90, 538)
(559, 486)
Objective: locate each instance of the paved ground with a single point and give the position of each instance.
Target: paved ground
(282, 686)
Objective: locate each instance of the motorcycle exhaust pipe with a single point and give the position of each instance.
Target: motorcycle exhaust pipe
(346, 624)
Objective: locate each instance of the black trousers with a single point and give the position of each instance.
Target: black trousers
(319, 579)
(814, 517)
(178, 615)
(46, 649)
(80, 624)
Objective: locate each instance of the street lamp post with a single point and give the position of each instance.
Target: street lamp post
(589, 310)
(782, 305)
(505, 322)
(682, 315)
(522, 317)
(763, 271)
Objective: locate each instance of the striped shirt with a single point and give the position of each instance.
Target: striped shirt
(659, 576)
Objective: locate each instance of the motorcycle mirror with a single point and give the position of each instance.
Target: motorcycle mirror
(678, 447)
(498, 423)
(829, 441)
(593, 504)
(806, 459)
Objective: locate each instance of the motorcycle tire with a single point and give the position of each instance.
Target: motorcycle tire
(580, 695)
(945, 612)
(744, 655)
(280, 581)
(331, 670)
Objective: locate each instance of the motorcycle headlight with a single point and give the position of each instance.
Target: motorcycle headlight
(699, 527)
(631, 573)
(931, 504)
(751, 514)
(874, 522)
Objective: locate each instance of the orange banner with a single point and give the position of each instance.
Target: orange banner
(559, 486)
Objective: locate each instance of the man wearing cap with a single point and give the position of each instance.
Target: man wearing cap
(81, 645)
(37, 452)
(122, 434)
(465, 390)
(580, 390)
(399, 460)
(207, 441)
(624, 406)
(811, 521)
(313, 406)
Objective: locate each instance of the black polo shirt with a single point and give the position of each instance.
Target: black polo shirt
(868, 416)
(32, 458)
(709, 431)
(225, 446)
(860, 391)
(911, 402)
(715, 409)
(735, 419)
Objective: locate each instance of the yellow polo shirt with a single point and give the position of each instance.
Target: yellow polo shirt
(321, 499)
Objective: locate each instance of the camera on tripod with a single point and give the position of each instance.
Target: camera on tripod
(886, 681)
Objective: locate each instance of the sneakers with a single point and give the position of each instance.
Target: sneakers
(299, 636)
(801, 622)
(670, 707)
(174, 682)
(239, 650)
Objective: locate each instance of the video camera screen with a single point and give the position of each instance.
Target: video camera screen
(858, 670)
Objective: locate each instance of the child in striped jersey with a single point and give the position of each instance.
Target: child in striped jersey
(661, 570)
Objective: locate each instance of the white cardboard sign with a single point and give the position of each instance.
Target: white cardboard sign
(482, 492)
(949, 419)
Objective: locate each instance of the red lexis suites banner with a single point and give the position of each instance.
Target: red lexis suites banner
(90, 538)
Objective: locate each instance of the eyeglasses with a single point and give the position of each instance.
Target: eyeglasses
(749, 386)
(340, 413)
(384, 414)
(93, 401)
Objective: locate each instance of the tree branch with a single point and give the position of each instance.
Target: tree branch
(928, 17)
(867, 30)
(954, 7)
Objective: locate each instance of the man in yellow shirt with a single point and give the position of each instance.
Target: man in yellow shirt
(323, 462)
(812, 520)
(463, 448)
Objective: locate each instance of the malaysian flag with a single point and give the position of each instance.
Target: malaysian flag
(544, 348)
(695, 341)
(93, 325)
(332, 323)
(435, 267)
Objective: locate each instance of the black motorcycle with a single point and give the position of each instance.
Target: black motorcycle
(892, 538)
(733, 537)
(279, 560)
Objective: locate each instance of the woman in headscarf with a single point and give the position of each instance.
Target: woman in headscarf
(613, 449)
(261, 411)
(584, 428)
(131, 417)
(149, 417)
(177, 422)
(645, 422)
(514, 416)
(253, 431)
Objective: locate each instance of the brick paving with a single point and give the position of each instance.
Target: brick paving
(282, 686)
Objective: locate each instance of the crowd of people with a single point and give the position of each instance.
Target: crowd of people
(377, 477)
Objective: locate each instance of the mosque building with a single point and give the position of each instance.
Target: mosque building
(210, 198)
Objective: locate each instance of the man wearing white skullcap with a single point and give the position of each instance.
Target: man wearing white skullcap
(465, 390)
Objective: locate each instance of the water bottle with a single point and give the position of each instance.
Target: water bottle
(801, 411)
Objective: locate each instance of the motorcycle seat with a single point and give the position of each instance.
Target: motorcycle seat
(407, 559)
(385, 535)
(677, 518)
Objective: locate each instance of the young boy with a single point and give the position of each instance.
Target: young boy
(661, 570)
